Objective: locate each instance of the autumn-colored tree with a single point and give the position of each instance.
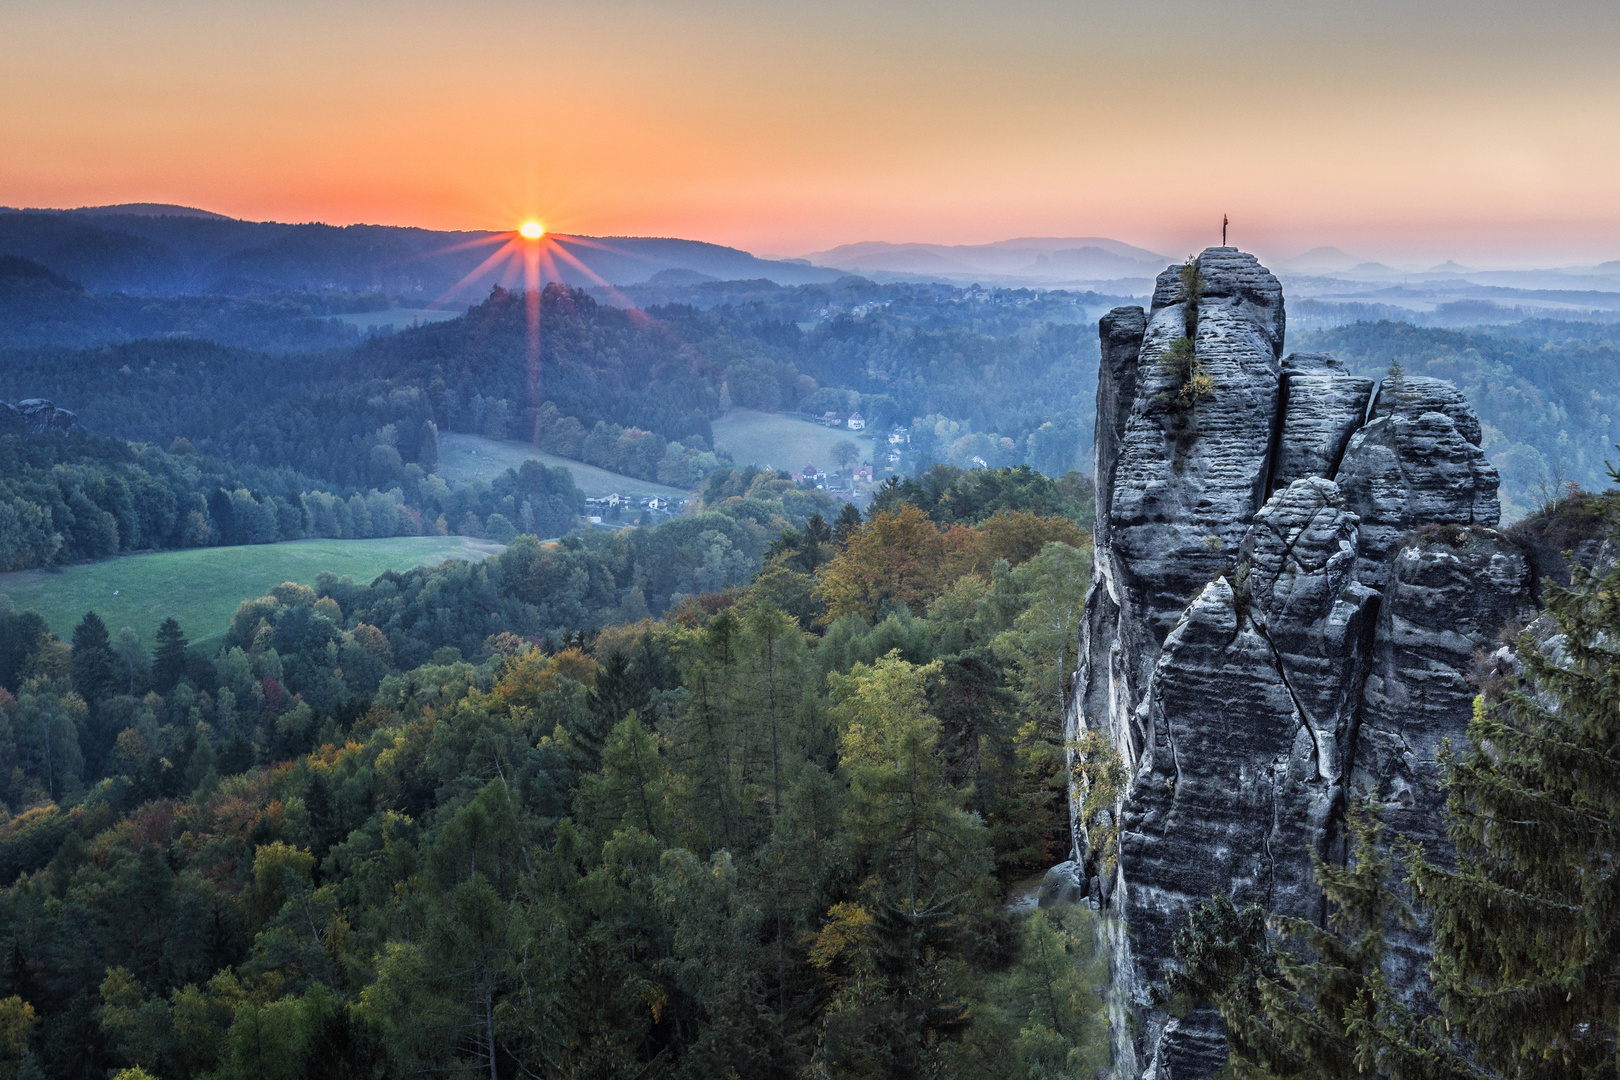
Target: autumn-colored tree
(896, 558)
(1019, 535)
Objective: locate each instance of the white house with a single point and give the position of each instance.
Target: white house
(856, 422)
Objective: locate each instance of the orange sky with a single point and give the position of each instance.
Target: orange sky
(1475, 130)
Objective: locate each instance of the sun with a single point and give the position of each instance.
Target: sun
(532, 230)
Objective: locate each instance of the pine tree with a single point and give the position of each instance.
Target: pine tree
(93, 673)
(170, 664)
(1527, 924)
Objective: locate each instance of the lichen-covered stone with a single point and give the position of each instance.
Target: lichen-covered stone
(1414, 395)
(1221, 791)
(1251, 705)
(1174, 514)
(1451, 591)
(1317, 617)
(1062, 886)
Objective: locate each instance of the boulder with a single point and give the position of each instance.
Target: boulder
(1062, 886)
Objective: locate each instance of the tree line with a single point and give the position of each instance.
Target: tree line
(635, 392)
(68, 498)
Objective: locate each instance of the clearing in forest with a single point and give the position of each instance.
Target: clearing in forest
(472, 457)
(784, 442)
(201, 587)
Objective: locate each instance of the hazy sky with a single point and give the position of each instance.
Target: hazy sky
(1399, 129)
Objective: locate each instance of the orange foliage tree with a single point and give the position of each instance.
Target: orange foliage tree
(898, 557)
(903, 557)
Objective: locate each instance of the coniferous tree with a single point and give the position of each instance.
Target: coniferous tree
(847, 525)
(94, 676)
(169, 665)
(1527, 923)
(1319, 1005)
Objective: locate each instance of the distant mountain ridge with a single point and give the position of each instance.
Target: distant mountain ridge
(155, 249)
(1021, 261)
(144, 209)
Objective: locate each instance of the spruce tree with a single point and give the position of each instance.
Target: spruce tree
(93, 674)
(1317, 1005)
(1527, 922)
(847, 524)
(169, 665)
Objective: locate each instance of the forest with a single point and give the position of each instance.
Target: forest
(629, 390)
(754, 792)
(429, 824)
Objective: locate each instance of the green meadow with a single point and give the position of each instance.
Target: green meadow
(473, 457)
(783, 442)
(399, 318)
(201, 587)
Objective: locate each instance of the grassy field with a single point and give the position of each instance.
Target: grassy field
(202, 586)
(469, 457)
(783, 442)
(400, 318)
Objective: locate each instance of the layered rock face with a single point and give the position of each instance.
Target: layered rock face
(1292, 577)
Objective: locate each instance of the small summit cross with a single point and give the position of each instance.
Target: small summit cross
(1223, 230)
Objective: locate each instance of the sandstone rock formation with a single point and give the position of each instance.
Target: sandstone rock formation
(1293, 576)
(35, 416)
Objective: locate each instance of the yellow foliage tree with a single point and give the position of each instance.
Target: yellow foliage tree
(1020, 535)
(270, 865)
(16, 1020)
(899, 557)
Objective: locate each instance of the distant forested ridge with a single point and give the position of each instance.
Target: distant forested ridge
(999, 377)
(39, 307)
(1004, 375)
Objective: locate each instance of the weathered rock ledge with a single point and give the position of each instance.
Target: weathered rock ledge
(1293, 577)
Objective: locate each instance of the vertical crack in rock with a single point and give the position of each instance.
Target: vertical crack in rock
(1299, 705)
(1292, 575)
